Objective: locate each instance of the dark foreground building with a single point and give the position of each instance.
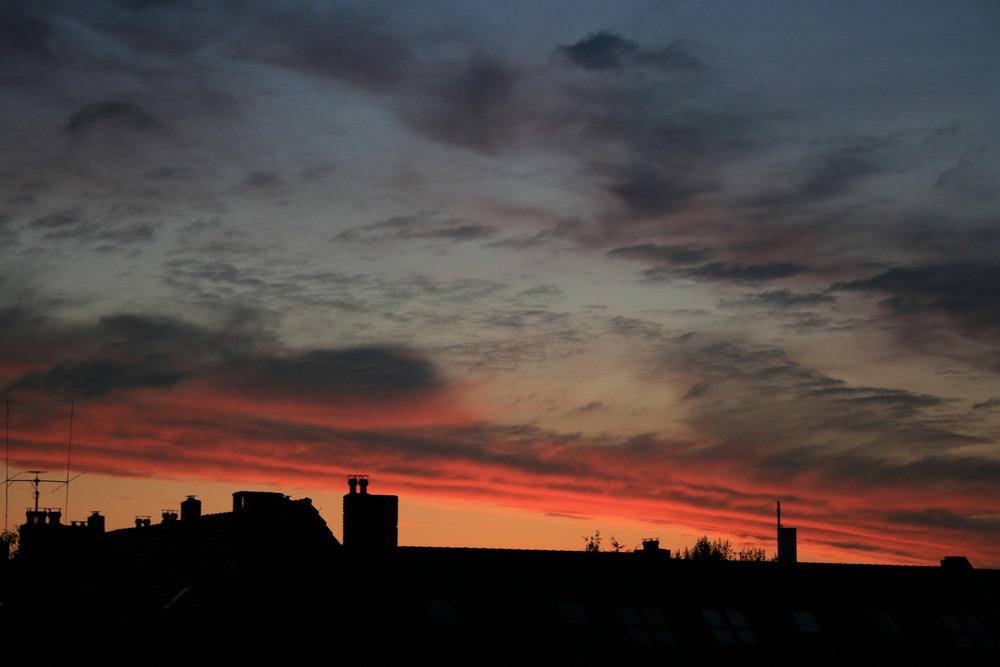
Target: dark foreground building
(269, 582)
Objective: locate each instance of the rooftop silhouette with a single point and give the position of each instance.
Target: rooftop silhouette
(269, 581)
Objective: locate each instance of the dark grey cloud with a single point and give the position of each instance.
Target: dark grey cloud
(948, 237)
(260, 179)
(97, 377)
(533, 317)
(989, 403)
(24, 32)
(374, 300)
(805, 322)
(110, 117)
(942, 518)
(835, 167)
(119, 140)
(214, 238)
(899, 401)
(598, 51)
(113, 227)
(418, 227)
(523, 241)
(117, 353)
(758, 394)
(606, 50)
(473, 105)
(170, 173)
(965, 293)
(8, 235)
(336, 41)
(655, 188)
(128, 334)
(541, 292)
(654, 150)
(676, 56)
(351, 375)
(671, 254)
(697, 390)
(593, 406)
(733, 273)
(782, 299)
(58, 221)
(970, 176)
(124, 352)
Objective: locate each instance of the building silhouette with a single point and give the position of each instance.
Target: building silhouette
(269, 581)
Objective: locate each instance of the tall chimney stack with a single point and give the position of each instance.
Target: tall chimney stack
(370, 521)
(787, 548)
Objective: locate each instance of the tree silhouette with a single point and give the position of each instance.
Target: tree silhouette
(705, 549)
(592, 542)
(617, 546)
(9, 537)
(719, 549)
(753, 554)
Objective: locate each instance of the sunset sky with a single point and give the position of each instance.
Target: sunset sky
(539, 268)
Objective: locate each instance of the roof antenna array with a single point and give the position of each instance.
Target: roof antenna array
(37, 480)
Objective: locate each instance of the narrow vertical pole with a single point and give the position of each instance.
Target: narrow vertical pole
(69, 454)
(6, 470)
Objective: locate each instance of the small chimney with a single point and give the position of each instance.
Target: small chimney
(354, 482)
(95, 522)
(651, 544)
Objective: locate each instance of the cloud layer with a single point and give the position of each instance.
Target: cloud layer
(666, 263)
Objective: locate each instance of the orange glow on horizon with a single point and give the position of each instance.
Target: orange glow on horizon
(438, 462)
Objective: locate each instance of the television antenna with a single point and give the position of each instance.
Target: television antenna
(37, 480)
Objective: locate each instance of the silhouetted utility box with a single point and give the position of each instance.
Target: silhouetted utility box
(258, 500)
(956, 563)
(370, 521)
(190, 508)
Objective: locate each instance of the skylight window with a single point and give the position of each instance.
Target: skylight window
(645, 625)
(730, 626)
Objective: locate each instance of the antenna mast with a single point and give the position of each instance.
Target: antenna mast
(37, 480)
(6, 469)
(69, 453)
